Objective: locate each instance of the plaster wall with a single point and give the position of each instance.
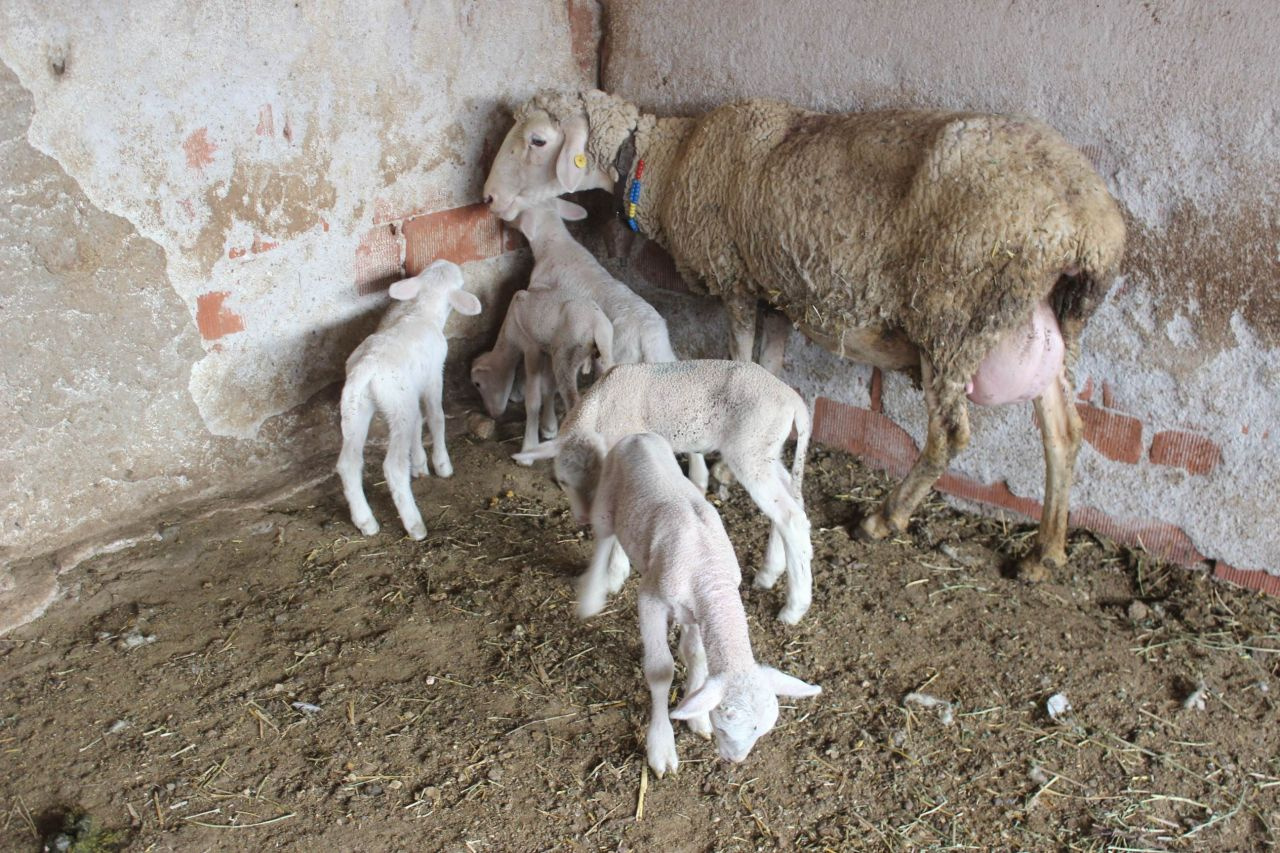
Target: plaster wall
(203, 205)
(1175, 103)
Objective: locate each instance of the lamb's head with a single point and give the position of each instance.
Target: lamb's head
(493, 378)
(560, 143)
(579, 455)
(440, 283)
(743, 705)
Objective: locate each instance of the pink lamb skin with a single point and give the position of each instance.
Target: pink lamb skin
(1022, 365)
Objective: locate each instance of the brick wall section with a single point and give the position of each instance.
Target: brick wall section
(881, 443)
(1197, 454)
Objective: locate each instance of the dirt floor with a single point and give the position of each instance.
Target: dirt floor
(272, 680)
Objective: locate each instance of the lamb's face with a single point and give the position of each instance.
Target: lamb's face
(524, 170)
(748, 711)
(494, 385)
(577, 470)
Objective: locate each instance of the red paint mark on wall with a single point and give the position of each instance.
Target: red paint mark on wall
(287, 131)
(213, 318)
(1115, 436)
(199, 149)
(260, 245)
(266, 124)
(236, 252)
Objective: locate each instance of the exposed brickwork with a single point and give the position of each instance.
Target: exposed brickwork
(199, 149)
(1114, 435)
(460, 235)
(213, 319)
(1197, 454)
(1164, 540)
(1254, 579)
(378, 260)
(992, 494)
(871, 436)
(876, 390)
(584, 36)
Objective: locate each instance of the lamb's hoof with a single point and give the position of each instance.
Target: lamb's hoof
(444, 470)
(700, 726)
(523, 463)
(661, 749)
(420, 471)
(548, 434)
(590, 606)
(367, 527)
(792, 614)
(765, 579)
(721, 472)
(417, 532)
(873, 528)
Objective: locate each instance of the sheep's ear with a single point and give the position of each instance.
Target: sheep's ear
(464, 303)
(406, 288)
(570, 211)
(787, 685)
(571, 165)
(546, 450)
(701, 701)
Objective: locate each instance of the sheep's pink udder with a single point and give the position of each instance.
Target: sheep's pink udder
(1023, 364)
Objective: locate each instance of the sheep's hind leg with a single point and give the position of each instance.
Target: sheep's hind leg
(405, 424)
(948, 433)
(1061, 430)
(355, 428)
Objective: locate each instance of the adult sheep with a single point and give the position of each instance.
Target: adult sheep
(963, 248)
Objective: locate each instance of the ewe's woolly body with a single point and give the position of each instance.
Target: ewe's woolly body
(934, 229)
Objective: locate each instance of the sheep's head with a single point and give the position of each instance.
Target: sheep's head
(551, 149)
(743, 706)
(579, 456)
(493, 382)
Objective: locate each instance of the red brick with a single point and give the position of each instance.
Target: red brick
(377, 262)
(876, 390)
(992, 494)
(1115, 436)
(214, 319)
(460, 235)
(1108, 395)
(1086, 393)
(1255, 579)
(584, 37)
(260, 245)
(1197, 454)
(871, 436)
(1166, 541)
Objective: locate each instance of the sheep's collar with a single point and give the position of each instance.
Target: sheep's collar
(622, 165)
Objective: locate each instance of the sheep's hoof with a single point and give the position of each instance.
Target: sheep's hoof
(368, 528)
(1038, 568)
(722, 473)
(873, 528)
(417, 532)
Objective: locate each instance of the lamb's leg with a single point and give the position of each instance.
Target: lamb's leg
(741, 309)
(698, 471)
(532, 398)
(355, 428)
(619, 568)
(695, 663)
(947, 435)
(659, 667)
(432, 401)
(773, 340)
(548, 419)
(417, 454)
(1061, 430)
(593, 584)
(395, 467)
(771, 492)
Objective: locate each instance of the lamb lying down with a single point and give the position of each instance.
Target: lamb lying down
(689, 573)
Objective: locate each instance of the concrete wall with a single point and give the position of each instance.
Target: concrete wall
(203, 203)
(1175, 102)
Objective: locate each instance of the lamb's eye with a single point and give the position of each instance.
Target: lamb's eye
(537, 141)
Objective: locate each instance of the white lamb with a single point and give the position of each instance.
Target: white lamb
(555, 332)
(561, 263)
(735, 407)
(689, 573)
(395, 370)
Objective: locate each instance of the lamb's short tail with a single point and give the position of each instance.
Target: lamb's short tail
(803, 424)
(357, 402)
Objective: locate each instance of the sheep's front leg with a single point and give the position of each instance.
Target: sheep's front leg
(948, 433)
(593, 584)
(659, 667)
(694, 656)
(1061, 430)
(619, 568)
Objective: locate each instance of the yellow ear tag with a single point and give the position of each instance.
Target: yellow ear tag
(580, 160)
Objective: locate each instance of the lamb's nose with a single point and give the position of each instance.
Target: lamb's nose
(488, 199)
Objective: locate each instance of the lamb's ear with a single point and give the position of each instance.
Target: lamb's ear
(701, 701)
(405, 289)
(571, 165)
(546, 450)
(464, 303)
(570, 211)
(787, 685)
